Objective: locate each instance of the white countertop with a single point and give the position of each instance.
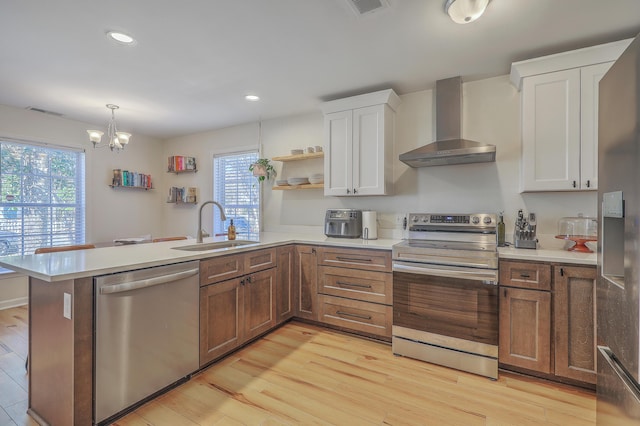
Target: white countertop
(86, 263)
(547, 255)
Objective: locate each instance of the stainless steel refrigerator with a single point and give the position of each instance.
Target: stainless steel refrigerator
(618, 290)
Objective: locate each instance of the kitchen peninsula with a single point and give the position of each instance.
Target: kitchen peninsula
(62, 349)
(62, 303)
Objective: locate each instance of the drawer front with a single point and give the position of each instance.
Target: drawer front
(259, 260)
(356, 315)
(221, 268)
(531, 275)
(367, 286)
(370, 260)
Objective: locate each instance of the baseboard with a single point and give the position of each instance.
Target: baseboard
(12, 303)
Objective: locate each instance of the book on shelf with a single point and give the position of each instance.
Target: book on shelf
(180, 163)
(131, 179)
(182, 195)
(192, 195)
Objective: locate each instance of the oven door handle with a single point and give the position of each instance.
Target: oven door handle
(488, 277)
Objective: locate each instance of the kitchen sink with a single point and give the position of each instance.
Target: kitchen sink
(216, 245)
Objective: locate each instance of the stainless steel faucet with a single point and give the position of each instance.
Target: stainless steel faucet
(201, 233)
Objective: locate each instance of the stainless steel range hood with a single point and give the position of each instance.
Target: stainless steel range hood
(449, 148)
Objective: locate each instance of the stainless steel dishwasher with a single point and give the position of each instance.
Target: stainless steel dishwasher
(146, 334)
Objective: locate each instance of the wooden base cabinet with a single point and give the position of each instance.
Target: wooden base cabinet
(286, 259)
(548, 332)
(235, 311)
(525, 329)
(306, 282)
(575, 326)
(221, 311)
(355, 290)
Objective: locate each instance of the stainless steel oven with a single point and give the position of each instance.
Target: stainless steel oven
(445, 293)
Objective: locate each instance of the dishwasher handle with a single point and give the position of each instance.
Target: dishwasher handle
(149, 282)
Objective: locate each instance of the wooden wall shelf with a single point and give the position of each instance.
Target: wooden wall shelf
(177, 172)
(292, 187)
(131, 187)
(299, 157)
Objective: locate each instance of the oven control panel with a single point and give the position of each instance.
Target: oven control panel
(466, 220)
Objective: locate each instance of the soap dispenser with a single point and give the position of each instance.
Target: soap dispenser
(231, 231)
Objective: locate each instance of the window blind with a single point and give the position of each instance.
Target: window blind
(238, 191)
(42, 196)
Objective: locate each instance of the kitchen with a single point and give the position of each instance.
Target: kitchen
(491, 113)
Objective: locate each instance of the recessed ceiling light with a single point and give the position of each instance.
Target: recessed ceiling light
(252, 98)
(121, 37)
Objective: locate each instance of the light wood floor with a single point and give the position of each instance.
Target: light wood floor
(14, 346)
(301, 374)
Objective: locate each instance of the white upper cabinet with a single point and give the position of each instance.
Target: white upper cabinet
(589, 83)
(359, 144)
(559, 117)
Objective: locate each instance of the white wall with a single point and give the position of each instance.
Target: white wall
(182, 219)
(491, 112)
(110, 213)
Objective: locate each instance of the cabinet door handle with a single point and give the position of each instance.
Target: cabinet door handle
(348, 191)
(504, 292)
(352, 259)
(562, 272)
(353, 284)
(313, 251)
(355, 191)
(588, 183)
(348, 314)
(242, 282)
(249, 280)
(574, 183)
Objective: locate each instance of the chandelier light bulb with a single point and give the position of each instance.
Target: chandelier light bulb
(123, 137)
(95, 136)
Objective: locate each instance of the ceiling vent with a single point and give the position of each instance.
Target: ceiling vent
(44, 111)
(366, 7)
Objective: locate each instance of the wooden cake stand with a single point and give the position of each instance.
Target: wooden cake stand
(580, 241)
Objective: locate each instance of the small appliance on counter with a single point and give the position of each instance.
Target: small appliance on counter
(369, 225)
(524, 235)
(343, 223)
(580, 230)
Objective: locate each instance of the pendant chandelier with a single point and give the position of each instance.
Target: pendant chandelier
(116, 140)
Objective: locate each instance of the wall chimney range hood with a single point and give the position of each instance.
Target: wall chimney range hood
(449, 147)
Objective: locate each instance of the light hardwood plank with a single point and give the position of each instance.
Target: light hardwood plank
(302, 374)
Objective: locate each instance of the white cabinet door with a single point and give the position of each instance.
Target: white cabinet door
(551, 131)
(358, 144)
(589, 79)
(338, 153)
(369, 151)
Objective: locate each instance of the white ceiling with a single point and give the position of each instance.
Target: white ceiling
(195, 60)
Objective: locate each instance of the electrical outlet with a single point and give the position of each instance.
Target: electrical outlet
(66, 310)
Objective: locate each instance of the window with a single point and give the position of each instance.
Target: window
(238, 191)
(41, 197)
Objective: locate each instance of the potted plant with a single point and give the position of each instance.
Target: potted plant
(262, 169)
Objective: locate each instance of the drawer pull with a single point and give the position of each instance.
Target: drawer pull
(353, 284)
(525, 276)
(348, 314)
(352, 259)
